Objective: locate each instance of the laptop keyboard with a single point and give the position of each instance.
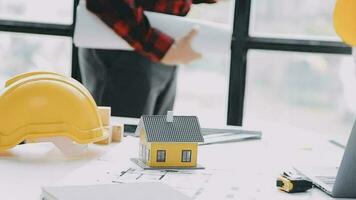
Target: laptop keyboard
(328, 180)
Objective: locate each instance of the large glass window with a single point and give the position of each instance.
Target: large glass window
(290, 67)
(203, 84)
(21, 53)
(301, 18)
(44, 11)
(306, 90)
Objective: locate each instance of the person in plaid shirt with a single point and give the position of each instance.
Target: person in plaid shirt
(142, 81)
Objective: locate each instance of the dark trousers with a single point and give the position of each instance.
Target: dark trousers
(128, 82)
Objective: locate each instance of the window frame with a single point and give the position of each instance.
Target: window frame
(241, 43)
(183, 156)
(47, 29)
(158, 156)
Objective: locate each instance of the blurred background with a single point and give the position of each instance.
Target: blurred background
(315, 91)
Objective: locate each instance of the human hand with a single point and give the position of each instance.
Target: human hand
(181, 52)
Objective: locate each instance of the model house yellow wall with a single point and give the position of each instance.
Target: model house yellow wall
(168, 141)
(173, 154)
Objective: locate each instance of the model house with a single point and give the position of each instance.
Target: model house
(169, 141)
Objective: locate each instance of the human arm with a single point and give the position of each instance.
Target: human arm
(128, 20)
(130, 23)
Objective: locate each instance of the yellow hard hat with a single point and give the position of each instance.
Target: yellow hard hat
(345, 20)
(45, 104)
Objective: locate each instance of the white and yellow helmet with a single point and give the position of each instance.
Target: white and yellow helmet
(45, 104)
(345, 20)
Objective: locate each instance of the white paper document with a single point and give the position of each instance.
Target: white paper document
(189, 182)
(115, 167)
(91, 32)
(196, 184)
(152, 191)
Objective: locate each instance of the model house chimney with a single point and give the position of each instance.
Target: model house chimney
(169, 116)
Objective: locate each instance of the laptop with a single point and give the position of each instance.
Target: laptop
(339, 181)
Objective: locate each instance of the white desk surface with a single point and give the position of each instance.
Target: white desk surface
(24, 169)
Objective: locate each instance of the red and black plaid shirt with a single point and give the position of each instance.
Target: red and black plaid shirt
(127, 19)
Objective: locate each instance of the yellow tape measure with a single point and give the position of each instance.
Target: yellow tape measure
(292, 183)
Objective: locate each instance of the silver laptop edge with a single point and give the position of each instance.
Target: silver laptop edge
(346, 176)
(344, 186)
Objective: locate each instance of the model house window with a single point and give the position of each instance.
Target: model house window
(161, 155)
(186, 156)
